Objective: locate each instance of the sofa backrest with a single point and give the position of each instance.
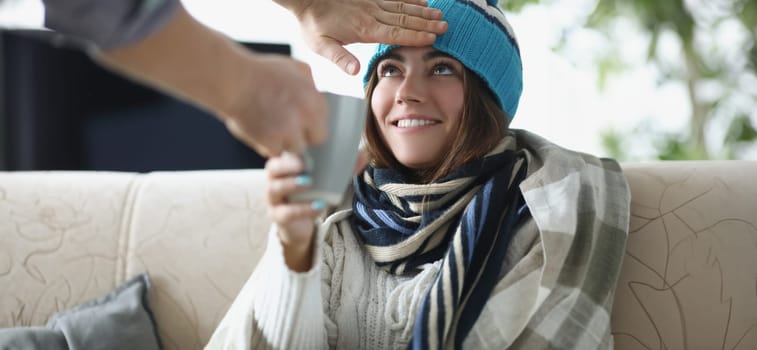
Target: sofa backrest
(69, 237)
(689, 278)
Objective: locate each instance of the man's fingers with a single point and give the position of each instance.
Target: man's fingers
(265, 149)
(394, 35)
(411, 9)
(413, 2)
(341, 57)
(409, 23)
(295, 142)
(333, 50)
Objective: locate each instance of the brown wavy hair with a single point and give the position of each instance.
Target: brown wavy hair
(483, 124)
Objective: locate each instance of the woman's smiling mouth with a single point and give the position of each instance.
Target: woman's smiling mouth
(413, 123)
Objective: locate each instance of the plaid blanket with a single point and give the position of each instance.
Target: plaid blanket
(581, 206)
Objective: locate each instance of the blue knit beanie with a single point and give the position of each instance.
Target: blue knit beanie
(480, 38)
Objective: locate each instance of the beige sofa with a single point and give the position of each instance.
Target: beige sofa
(689, 278)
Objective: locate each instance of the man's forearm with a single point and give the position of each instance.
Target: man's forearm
(187, 59)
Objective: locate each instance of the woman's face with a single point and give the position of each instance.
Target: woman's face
(418, 103)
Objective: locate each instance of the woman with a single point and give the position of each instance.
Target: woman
(460, 234)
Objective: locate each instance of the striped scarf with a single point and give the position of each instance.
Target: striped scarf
(466, 219)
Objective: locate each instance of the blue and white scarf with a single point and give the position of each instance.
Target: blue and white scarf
(467, 219)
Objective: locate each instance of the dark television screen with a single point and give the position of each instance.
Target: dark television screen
(61, 111)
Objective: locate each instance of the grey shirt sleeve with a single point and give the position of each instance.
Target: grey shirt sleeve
(108, 23)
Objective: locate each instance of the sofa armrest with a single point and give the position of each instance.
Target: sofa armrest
(689, 278)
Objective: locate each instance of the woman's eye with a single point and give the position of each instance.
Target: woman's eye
(443, 69)
(389, 71)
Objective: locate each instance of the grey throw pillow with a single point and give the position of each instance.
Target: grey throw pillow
(119, 320)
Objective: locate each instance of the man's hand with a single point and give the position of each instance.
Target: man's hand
(278, 107)
(328, 25)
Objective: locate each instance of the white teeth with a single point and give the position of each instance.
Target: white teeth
(412, 123)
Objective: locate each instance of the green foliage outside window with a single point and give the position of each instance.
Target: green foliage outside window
(722, 90)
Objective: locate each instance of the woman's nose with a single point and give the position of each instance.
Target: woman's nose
(411, 90)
